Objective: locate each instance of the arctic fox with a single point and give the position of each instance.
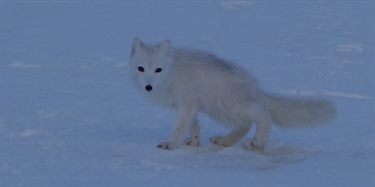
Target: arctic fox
(193, 81)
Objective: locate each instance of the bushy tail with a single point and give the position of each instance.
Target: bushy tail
(294, 112)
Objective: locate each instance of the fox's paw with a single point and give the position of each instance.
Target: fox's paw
(167, 146)
(253, 145)
(192, 142)
(219, 140)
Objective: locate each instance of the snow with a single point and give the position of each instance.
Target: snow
(70, 115)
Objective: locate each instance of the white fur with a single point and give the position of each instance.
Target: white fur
(193, 81)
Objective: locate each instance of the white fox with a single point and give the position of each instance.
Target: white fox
(193, 81)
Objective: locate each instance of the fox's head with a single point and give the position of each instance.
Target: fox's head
(150, 63)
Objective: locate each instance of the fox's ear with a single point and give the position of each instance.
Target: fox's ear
(166, 46)
(137, 45)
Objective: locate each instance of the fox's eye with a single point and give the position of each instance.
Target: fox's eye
(158, 70)
(141, 69)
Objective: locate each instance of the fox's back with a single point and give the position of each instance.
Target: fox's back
(207, 76)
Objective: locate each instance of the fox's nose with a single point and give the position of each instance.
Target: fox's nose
(148, 87)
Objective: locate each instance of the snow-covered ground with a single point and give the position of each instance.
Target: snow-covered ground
(70, 115)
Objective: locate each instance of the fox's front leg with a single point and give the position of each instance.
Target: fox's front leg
(194, 139)
(186, 113)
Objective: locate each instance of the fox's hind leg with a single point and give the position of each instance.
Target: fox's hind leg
(234, 136)
(263, 120)
(194, 139)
